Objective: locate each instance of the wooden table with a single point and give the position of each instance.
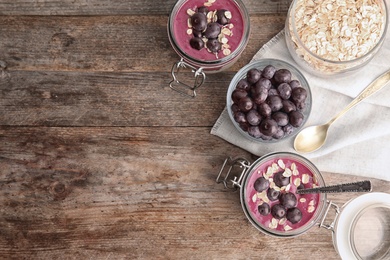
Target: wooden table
(100, 159)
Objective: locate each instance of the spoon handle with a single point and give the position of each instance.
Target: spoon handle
(375, 86)
(360, 186)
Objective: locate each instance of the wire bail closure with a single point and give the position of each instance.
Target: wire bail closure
(181, 87)
(235, 181)
(337, 212)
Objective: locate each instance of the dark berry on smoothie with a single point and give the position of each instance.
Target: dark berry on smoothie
(261, 184)
(264, 209)
(288, 200)
(294, 215)
(278, 211)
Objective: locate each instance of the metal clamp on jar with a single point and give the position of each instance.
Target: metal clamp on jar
(209, 36)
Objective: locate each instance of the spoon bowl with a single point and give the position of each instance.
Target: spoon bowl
(311, 138)
(314, 137)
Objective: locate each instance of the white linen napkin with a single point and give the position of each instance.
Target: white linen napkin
(358, 143)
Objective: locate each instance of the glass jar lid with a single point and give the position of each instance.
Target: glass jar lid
(362, 230)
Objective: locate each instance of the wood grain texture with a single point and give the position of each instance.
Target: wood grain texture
(108, 43)
(119, 7)
(99, 159)
(110, 99)
(138, 192)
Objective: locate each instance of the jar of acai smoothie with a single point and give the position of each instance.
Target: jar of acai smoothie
(209, 36)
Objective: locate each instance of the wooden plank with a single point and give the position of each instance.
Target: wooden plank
(65, 86)
(119, 7)
(108, 43)
(107, 99)
(133, 192)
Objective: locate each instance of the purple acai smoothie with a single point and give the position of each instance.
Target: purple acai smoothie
(228, 38)
(271, 196)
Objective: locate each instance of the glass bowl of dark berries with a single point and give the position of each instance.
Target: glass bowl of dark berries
(269, 100)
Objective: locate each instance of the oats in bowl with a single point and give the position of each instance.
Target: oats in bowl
(334, 36)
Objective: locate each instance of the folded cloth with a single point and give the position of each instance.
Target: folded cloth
(359, 142)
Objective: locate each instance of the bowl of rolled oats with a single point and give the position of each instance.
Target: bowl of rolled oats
(329, 37)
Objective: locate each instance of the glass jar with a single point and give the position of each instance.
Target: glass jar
(333, 37)
(360, 228)
(233, 38)
(300, 171)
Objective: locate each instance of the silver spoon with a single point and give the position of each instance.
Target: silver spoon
(313, 137)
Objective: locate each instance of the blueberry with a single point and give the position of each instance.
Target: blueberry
(196, 43)
(240, 117)
(197, 34)
(281, 118)
(245, 126)
(268, 127)
(221, 17)
(294, 215)
(263, 83)
(273, 194)
(253, 117)
(282, 75)
(264, 109)
(237, 94)
(253, 75)
(288, 106)
(278, 211)
(266, 137)
(284, 90)
(288, 129)
(261, 184)
(264, 209)
(213, 45)
(199, 21)
(300, 105)
(212, 30)
(260, 97)
(288, 200)
(298, 95)
(243, 84)
(273, 92)
(245, 104)
(296, 118)
(280, 180)
(253, 131)
(275, 102)
(203, 9)
(294, 83)
(235, 108)
(268, 71)
(279, 134)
